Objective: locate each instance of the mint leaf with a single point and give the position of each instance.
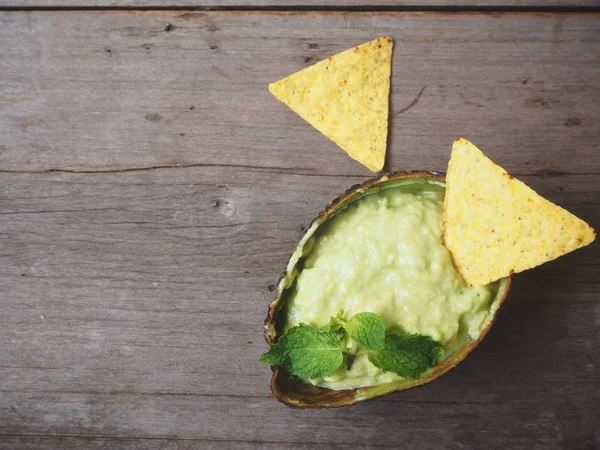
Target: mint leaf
(408, 355)
(367, 329)
(306, 352)
(276, 354)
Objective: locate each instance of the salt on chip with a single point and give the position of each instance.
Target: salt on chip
(346, 97)
(495, 225)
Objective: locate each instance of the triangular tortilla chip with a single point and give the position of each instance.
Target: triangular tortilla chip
(346, 97)
(494, 225)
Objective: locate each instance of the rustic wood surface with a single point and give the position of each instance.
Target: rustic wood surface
(151, 191)
(283, 4)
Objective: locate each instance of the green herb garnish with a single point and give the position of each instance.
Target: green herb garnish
(306, 352)
(367, 330)
(310, 353)
(408, 355)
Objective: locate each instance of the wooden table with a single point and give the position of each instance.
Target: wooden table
(151, 190)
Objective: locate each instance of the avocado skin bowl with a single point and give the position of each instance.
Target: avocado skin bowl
(298, 394)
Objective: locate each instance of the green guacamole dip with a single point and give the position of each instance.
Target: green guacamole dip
(384, 254)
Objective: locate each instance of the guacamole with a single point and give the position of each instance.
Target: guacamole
(384, 254)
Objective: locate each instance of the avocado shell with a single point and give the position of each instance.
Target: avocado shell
(294, 392)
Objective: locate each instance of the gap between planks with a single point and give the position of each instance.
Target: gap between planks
(168, 439)
(200, 394)
(321, 9)
(300, 171)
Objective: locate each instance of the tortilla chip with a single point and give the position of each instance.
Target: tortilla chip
(346, 97)
(494, 225)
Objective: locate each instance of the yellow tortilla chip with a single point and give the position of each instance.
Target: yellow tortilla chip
(346, 97)
(494, 225)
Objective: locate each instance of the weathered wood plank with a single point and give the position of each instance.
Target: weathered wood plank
(301, 3)
(98, 91)
(153, 288)
(415, 425)
(92, 443)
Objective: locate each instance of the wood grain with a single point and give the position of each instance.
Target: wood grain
(133, 293)
(129, 90)
(302, 3)
(93, 443)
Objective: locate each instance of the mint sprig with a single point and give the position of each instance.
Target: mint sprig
(310, 353)
(306, 352)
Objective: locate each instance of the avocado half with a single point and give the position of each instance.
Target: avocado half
(296, 393)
